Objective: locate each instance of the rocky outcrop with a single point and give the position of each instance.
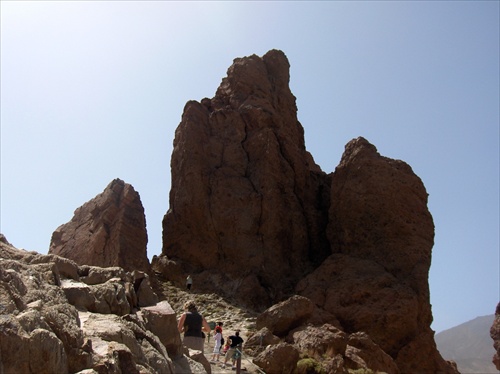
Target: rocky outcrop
(381, 234)
(495, 335)
(254, 218)
(285, 316)
(323, 348)
(278, 359)
(59, 317)
(109, 230)
(245, 192)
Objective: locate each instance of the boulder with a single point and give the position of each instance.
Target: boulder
(143, 289)
(335, 365)
(362, 353)
(92, 275)
(124, 345)
(106, 298)
(286, 315)
(161, 320)
(278, 359)
(320, 342)
(199, 357)
(109, 230)
(262, 338)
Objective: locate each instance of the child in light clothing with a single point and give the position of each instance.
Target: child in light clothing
(217, 338)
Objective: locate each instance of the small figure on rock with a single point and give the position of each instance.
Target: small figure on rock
(189, 282)
(192, 324)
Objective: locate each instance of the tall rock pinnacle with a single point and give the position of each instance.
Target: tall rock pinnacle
(248, 204)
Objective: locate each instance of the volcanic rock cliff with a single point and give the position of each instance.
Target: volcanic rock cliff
(252, 217)
(248, 205)
(108, 230)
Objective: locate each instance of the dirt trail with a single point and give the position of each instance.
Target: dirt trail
(215, 309)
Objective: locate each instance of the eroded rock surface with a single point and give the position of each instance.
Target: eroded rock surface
(252, 217)
(245, 192)
(51, 321)
(109, 230)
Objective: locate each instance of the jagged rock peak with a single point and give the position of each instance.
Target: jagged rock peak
(109, 230)
(241, 184)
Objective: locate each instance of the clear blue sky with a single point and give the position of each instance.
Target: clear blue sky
(94, 90)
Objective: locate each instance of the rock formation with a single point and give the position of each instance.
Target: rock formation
(58, 317)
(495, 335)
(109, 230)
(381, 236)
(247, 199)
(254, 218)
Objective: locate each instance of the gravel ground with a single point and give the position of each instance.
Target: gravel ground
(215, 309)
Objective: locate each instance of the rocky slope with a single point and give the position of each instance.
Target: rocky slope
(59, 317)
(252, 217)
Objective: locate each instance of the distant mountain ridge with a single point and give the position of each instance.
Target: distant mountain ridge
(469, 345)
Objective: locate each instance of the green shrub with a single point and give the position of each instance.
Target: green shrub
(309, 366)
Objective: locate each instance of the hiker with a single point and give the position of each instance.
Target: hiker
(217, 346)
(226, 348)
(192, 325)
(189, 282)
(236, 341)
(220, 324)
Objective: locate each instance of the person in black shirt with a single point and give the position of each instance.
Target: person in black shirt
(236, 342)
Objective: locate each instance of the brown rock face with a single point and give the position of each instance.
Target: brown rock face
(109, 230)
(47, 326)
(495, 335)
(245, 192)
(382, 235)
(254, 218)
(284, 316)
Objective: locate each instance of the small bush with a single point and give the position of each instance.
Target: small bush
(309, 366)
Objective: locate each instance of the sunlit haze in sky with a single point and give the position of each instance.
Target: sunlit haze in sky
(94, 90)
